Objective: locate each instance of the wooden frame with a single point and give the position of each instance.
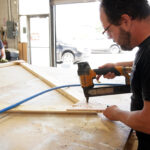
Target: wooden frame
(50, 82)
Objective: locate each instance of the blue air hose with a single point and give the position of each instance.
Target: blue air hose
(48, 90)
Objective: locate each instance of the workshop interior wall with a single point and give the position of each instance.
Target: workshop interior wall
(9, 14)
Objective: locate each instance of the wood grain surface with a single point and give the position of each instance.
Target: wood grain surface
(54, 131)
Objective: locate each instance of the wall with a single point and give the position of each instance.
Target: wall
(12, 16)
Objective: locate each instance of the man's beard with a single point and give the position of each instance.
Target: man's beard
(125, 40)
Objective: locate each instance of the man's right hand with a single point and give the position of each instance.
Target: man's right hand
(109, 75)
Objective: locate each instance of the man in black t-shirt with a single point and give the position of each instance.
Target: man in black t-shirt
(127, 22)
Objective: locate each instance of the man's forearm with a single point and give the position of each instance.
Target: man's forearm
(134, 119)
(126, 64)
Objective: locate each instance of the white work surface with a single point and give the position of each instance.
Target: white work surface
(50, 131)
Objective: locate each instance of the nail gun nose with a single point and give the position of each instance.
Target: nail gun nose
(87, 99)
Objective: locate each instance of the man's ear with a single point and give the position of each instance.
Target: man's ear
(126, 22)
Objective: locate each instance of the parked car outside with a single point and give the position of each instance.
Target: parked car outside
(104, 46)
(67, 53)
(100, 44)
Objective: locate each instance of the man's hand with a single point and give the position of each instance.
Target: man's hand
(108, 75)
(112, 112)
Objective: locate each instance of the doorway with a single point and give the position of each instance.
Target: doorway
(39, 40)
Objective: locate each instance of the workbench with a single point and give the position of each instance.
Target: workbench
(27, 130)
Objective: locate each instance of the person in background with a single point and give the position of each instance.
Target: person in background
(127, 22)
(2, 53)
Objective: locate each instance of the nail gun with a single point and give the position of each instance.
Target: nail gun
(87, 75)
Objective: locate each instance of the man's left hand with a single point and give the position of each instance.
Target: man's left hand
(111, 112)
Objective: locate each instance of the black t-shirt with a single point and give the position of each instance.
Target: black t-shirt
(140, 76)
(140, 79)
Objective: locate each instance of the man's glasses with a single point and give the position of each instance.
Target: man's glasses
(106, 29)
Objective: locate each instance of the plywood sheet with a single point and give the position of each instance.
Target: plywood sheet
(60, 132)
(52, 131)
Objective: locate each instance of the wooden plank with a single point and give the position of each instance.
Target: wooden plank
(12, 63)
(20, 48)
(74, 109)
(24, 49)
(89, 108)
